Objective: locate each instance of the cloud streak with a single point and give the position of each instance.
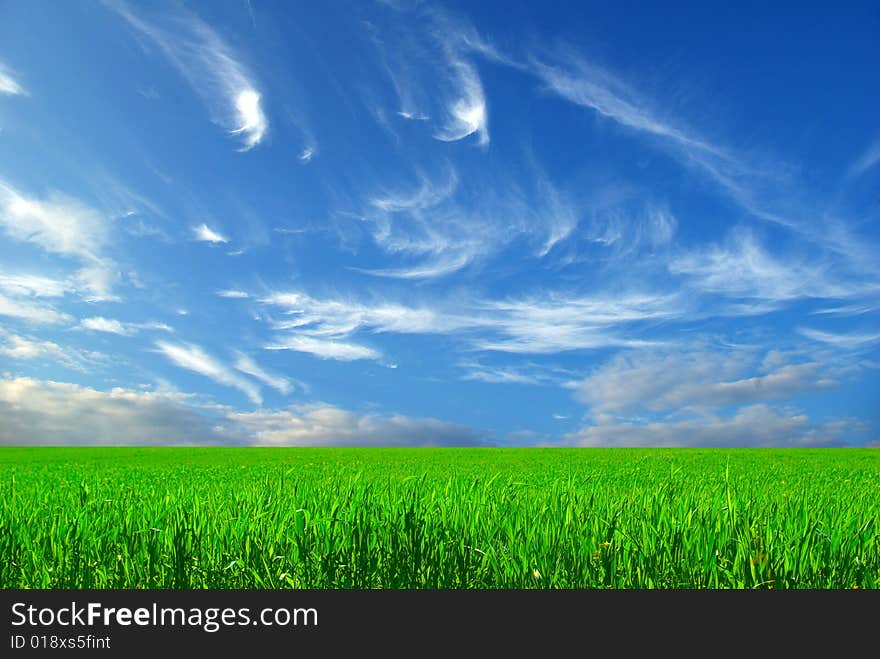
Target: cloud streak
(324, 349)
(847, 341)
(248, 366)
(112, 326)
(544, 324)
(25, 348)
(65, 226)
(8, 84)
(206, 234)
(209, 65)
(32, 312)
(744, 269)
(467, 114)
(193, 358)
(233, 294)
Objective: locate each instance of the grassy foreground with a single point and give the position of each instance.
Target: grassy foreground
(438, 518)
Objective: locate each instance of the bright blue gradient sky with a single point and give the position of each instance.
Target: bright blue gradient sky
(511, 223)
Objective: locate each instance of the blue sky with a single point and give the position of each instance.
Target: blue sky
(394, 223)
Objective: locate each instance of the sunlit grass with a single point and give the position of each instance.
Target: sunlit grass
(439, 518)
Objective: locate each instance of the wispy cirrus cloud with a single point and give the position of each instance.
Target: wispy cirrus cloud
(572, 77)
(247, 365)
(29, 348)
(233, 294)
(112, 326)
(8, 84)
(763, 187)
(848, 310)
(29, 285)
(324, 348)
(590, 86)
(529, 325)
(210, 66)
(204, 233)
(466, 112)
(17, 293)
(32, 312)
(65, 226)
(867, 160)
(436, 79)
(558, 323)
(446, 222)
(844, 340)
(743, 268)
(477, 372)
(340, 317)
(426, 224)
(195, 359)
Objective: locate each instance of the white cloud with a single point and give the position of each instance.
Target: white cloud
(413, 116)
(25, 285)
(233, 294)
(427, 223)
(194, 358)
(96, 281)
(743, 268)
(692, 379)
(435, 73)
(8, 84)
(206, 234)
(59, 413)
(544, 324)
(752, 426)
(466, 110)
(441, 266)
(20, 347)
(248, 366)
(556, 323)
(339, 350)
(209, 65)
(100, 324)
(847, 341)
(325, 425)
(446, 223)
(848, 310)
(589, 86)
(58, 224)
(499, 375)
(32, 312)
(252, 123)
(559, 216)
(112, 326)
(65, 226)
(340, 317)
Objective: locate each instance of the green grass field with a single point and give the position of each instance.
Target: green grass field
(439, 518)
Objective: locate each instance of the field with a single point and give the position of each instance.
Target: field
(438, 518)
